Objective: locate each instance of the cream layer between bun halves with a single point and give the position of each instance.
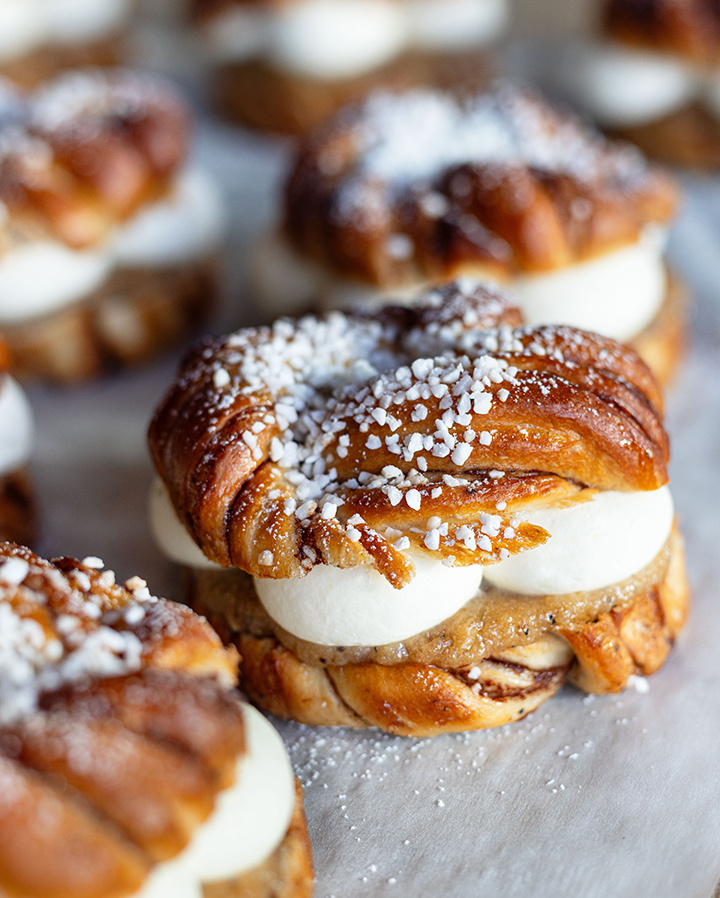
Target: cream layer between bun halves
(113, 259)
(432, 505)
(336, 39)
(39, 38)
(413, 188)
(168, 781)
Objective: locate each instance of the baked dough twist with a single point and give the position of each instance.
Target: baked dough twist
(84, 152)
(322, 441)
(273, 440)
(118, 730)
(82, 156)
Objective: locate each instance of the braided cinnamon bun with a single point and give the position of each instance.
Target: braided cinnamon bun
(412, 189)
(425, 519)
(41, 38)
(286, 66)
(109, 242)
(653, 77)
(128, 766)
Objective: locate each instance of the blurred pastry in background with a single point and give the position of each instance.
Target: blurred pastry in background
(17, 502)
(40, 38)
(284, 66)
(110, 242)
(410, 189)
(653, 77)
(422, 519)
(129, 765)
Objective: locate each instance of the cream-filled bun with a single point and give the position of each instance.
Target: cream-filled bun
(648, 73)
(102, 266)
(424, 517)
(286, 67)
(413, 188)
(181, 784)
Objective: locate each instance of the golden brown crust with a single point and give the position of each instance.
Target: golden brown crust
(18, 514)
(418, 698)
(136, 314)
(555, 193)
(689, 28)
(254, 93)
(132, 127)
(117, 733)
(47, 62)
(546, 406)
(287, 873)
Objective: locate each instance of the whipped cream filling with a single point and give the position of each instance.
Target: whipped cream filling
(184, 226)
(593, 544)
(21, 28)
(77, 21)
(247, 824)
(454, 24)
(357, 606)
(622, 87)
(328, 39)
(170, 533)
(43, 276)
(26, 25)
(16, 426)
(617, 294)
(330, 606)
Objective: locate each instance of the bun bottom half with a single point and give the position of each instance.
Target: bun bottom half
(662, 344)
(690, 136)
(255, 94)
(439, 686)
(135, 315)
(39, 65)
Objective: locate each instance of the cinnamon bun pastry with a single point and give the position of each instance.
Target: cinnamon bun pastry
(17, 499)
(286, 66)
(653, 77)
(109, 246)
(411, 189)
(128, 765)
(41, 38)
(425, 519)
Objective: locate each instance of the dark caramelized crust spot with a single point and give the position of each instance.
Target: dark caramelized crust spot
(689, 28)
